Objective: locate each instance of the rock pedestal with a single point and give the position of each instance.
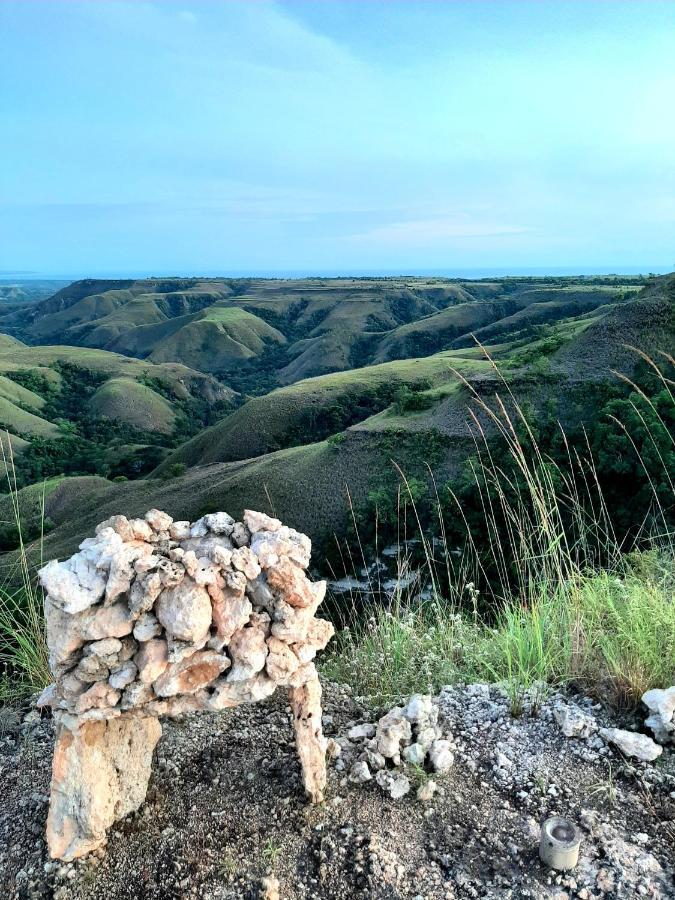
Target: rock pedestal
(158, 618)
(100, 773)
(306, 707)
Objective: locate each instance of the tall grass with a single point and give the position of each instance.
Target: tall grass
(567, 603)
(23, 644)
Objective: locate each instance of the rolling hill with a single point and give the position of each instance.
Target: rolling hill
(84, 401)
(297, 450)
(260, 333)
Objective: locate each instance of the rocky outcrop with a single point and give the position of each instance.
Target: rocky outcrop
(100, 773)
(159, 618)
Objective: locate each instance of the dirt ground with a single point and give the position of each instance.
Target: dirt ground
(225, 808)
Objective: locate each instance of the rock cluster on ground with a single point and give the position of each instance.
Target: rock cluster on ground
(155, 618)
(406, 734)
(661, 718)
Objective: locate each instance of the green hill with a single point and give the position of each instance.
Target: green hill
(137, 404)
(217, 338)
(299, 448)
(76, 410)
(261, 333)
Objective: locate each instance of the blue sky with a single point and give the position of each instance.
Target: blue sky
(204, 137)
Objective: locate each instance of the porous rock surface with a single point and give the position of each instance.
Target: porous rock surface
(155, 618)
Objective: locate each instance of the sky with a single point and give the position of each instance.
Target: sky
(216, 137)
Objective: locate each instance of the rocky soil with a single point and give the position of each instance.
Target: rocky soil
(226, 810)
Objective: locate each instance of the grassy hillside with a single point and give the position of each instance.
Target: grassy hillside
(301, 448)
(256, 334)
(423, 420)
(137, 404)
(76, 411)
(218, 338)
(19, 421)
(316, 408)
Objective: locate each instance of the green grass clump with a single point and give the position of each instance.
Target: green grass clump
(24, 656)
(566, 603)
(611, 635)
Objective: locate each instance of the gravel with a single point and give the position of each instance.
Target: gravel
(225, 810)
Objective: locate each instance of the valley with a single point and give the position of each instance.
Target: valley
(295, 396)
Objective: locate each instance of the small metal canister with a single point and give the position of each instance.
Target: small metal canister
(559, 844)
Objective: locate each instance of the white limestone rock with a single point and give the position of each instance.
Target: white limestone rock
(281, 661)
(240, 536)
(151, 660)
(128, 621)
(123, 675)
(147, 627)
(192, 674)
(393, 731)
(361, 732)
(100, 773)
(219, 523)
(415, 754)
(248, 648)
(73, 586)
(257, 521)
(441, 757)
(159, 521)
(360, 773)
(661, 718)
(244, 560)
(421, 712)
(228, 694)
(105, 647)
(136, 695)
(632, 744)
(142, 530)
(179, 531)
(319, 632)
(395, 784)
(573, 721)
(185, 611)
(144, 591)
(99, 696)
(426, 790)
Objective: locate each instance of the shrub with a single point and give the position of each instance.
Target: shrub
(408, 399)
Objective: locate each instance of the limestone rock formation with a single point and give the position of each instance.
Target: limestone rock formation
(99, 774)
(158, 618)
(632, 744)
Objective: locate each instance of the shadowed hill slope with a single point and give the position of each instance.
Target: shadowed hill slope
(562, 376)
(290, 330)
(39, 385)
